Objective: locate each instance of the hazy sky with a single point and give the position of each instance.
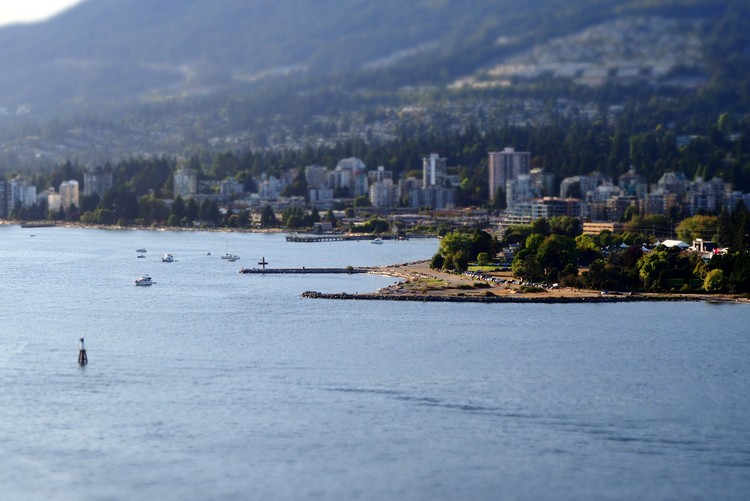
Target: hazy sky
(31, 10)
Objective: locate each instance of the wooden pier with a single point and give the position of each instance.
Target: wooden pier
(336, 237)
(309, 237)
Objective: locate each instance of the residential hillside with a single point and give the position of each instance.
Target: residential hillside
(110, 79)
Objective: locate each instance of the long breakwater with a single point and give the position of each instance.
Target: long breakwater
(492, 299)
(282, 271)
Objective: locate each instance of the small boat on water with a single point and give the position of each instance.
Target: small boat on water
(140, 256)
(144, 280)
(167, 258)
(141, 250)
(228, 256)
(377, 241)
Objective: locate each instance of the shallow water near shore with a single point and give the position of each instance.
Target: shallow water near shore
(216, 385)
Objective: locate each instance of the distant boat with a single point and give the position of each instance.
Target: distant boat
(143, 281)
(141, 250)
(167, 258)
(140, 256)
(228, 256)
(377, 241)
(208, 253)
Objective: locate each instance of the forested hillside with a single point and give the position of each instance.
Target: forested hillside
(295, 81)
(114, 51)
(110, 49)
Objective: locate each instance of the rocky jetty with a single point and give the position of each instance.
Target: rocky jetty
(492, 299)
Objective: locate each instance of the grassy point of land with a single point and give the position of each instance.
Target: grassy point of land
(419, 279)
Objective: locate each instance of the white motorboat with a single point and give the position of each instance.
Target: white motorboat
(144, 280)
(377, 241)
(167, 258)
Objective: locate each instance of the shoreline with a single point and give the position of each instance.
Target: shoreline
(78, 225)
(421, 283)
(495, 299)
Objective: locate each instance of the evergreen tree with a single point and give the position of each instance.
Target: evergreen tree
(268, 218)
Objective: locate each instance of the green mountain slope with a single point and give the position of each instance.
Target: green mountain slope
(112, 77)
(113, 49)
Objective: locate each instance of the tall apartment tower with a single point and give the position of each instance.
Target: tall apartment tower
(20, 191)
(69, 194)
(350, 173)
(433, 170)
(98, 180)
(507, 165)
(316, 176)
(185, 182)
(3, 199)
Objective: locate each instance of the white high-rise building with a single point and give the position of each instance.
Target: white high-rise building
(69, 194)
(185, 182)
(270, 187)
(383, 191)
(434, 170)
(53, 201)
(316, 176)
(507, 165)
(20, 192)
(350, 173)
(3, 198)
(519, 190)
(98, 180)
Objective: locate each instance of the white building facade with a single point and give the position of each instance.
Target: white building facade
(20, 193)
(506, 165)
(185, 182)
(69, 195)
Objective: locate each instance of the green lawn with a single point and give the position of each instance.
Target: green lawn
(491, 267)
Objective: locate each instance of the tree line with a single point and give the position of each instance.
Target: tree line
(556, 251)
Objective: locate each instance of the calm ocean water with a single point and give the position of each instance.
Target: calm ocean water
(216, 385)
